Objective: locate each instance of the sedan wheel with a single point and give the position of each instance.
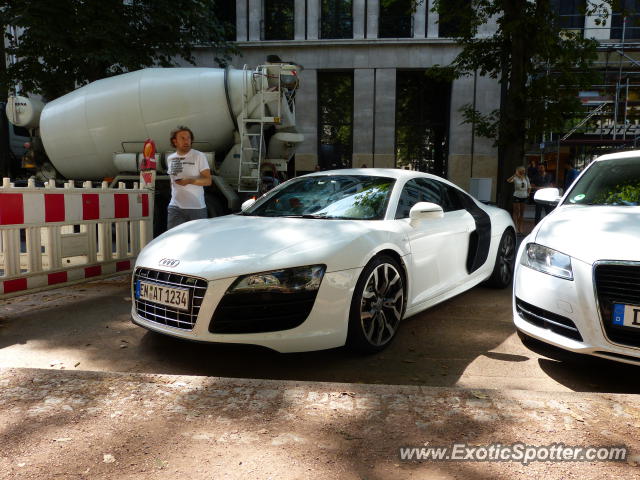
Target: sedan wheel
(377, 306)
(505, 259)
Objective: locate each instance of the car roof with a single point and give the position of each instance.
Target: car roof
(619, 155)
(397, 173)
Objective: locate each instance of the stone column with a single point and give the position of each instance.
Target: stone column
(307, 121)
(420, 20)
(460, 164)
(363, 88)
(432, 22)
(255, 20)
(373, 12)
(242, 35)
(313, 19)
(299, 19)
(358, 18)
(598, 32)
(385, 118)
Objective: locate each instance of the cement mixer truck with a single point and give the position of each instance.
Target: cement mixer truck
(243, 120)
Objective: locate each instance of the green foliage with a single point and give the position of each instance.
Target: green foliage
(624, 194)
(369, 203)
(542, 66)
(68, 43)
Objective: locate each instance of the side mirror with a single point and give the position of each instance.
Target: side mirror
(547, 196)
(247, 203)
(425, 210)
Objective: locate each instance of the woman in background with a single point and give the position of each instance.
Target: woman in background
(521, 189)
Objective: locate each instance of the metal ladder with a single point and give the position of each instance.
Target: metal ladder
(252, 147)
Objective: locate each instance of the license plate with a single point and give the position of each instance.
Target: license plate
(626, 315)
(168, 296)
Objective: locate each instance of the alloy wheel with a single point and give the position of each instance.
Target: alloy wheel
(382, 304)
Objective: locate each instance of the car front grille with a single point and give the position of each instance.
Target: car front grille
(165, 315)
(618, 283)
(548, 320)
(261, 312)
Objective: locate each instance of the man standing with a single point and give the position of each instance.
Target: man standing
(189, 173)
(542, 180)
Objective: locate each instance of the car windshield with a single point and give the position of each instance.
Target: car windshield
(609, 182)
(355, 197)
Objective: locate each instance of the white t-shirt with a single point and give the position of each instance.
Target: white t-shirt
(186, 166)
(521, 187)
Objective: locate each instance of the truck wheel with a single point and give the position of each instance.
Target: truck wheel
(161, 203)
(215, 208)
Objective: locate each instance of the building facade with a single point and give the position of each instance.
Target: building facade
(367, 97)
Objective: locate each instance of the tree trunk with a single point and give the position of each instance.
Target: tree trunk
(513, 102)
(5, 156)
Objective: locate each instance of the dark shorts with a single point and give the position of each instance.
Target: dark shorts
(177, 216)
(519, 200)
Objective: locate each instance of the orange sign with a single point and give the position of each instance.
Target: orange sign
(149, 152)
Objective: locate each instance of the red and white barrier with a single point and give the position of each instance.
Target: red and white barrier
(52, 236)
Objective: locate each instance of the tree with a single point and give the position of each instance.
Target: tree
(67, 43)
(540, 66)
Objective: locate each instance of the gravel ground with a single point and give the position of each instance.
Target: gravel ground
(92, 425)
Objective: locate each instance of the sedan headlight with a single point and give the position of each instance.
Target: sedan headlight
(547, 260)
(288, 280)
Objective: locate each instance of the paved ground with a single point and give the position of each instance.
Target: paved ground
(468, 341)
(86, 394)
(88, 425)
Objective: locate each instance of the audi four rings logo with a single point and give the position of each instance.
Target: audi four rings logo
(169, 262)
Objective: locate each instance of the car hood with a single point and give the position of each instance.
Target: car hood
(237, 245)
(591, 233)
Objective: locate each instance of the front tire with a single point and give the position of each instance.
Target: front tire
(505, 260)
(377, 306)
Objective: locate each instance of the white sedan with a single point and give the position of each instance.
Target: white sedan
(577, 282)
(321, 261)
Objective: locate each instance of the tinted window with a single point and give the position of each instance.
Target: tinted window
(427, 190)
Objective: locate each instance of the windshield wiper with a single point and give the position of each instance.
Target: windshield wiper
(306, 215)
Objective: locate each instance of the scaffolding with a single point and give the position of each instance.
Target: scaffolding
(611, 116)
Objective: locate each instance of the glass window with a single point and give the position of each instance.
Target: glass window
(278, 20)
(570, 12)
(335, 119)
(336, 19)
(226, 14)
(354, 197)
(609, 182)
(625, 19)
(422, 122)
(455, 18)
(395, 19)
(427, 190)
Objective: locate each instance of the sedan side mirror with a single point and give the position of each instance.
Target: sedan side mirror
(424, 210)
(547, 196)
(247, 203)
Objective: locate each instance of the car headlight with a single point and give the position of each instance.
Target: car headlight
(547, 260)
(288, 280)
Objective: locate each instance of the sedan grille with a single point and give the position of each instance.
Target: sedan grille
(166, 315)
(618, 283)
(549, 320)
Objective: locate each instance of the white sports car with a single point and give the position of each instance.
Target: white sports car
(577, 282)
(323, 260)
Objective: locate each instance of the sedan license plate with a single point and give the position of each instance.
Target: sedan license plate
(169, 296)
(626, 315)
